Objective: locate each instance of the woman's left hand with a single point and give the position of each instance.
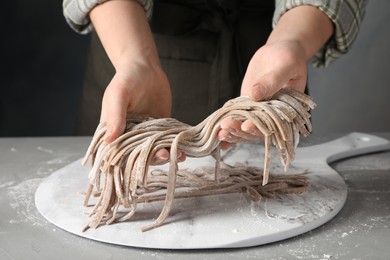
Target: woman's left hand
(281, 62)
(274, 66)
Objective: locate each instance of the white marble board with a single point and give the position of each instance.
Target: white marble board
(223, 221)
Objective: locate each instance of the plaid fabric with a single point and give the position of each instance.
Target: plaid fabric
(346, 15)
(76, 12)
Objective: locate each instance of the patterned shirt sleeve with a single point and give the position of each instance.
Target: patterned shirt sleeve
(346, 15)
(76, 12)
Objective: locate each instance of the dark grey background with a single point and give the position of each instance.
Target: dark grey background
(353, 94)
(42, 64)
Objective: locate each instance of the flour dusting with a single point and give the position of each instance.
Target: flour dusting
(22, 201)
(7, 184)
(45, 150)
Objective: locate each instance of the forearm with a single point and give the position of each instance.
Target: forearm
(124, 31)
(305, 25)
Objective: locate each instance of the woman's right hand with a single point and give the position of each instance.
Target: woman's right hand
(139, 86)
(136, 88)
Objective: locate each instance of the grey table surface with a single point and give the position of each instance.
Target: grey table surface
(360, 231)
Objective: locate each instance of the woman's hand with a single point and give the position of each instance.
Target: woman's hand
(274, 66)
(136, 88)
(139, 85)
(281, 62)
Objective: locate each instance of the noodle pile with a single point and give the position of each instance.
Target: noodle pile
(124, 164)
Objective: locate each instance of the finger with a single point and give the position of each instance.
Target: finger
(225, 136)
(234, 131)
(267, 85)
(181, 157)
(115, 128)
(236, 137)
(228, 127)
(244, 136)
(250, 128)
(162, 156)
(225, 145)
(235, 127)
(231, 131)
(231, 124)
(114, 111)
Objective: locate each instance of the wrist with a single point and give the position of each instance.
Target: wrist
(137, 57)
(144, 61)
(305, 26)
(124, 31)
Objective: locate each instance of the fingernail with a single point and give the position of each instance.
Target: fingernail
(159, 160)
(259, 92)
(232, 130)
(162, 158)
(227, 138)
(179, 154)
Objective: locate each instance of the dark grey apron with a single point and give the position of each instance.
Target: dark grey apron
(204, 47)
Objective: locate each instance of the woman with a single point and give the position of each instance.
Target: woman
(193, 55)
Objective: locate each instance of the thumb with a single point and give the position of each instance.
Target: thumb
(114, 111)
(115, 127)
(266, 86)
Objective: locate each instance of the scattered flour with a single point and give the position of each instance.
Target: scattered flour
(21, 199)
(45, 150)
(7, 184)
(57, 161)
